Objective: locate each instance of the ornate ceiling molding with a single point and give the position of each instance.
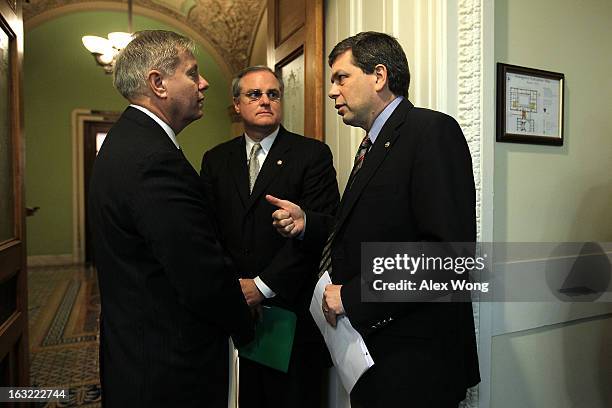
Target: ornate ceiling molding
(229, 26)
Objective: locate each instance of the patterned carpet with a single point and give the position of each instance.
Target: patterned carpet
(64, 305)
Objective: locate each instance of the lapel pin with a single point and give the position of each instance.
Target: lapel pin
(387, 144)
(280, 162)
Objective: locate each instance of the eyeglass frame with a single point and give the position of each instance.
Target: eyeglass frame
(250, 94)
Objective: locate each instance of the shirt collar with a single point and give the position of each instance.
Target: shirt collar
(382, 118)
(160, 122)
(266, 142)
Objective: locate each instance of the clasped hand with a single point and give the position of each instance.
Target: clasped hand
(332, 304)
(251, 293)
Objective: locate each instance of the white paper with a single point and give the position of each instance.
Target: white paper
(346, 346)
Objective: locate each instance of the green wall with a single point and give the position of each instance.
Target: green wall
(60, 76)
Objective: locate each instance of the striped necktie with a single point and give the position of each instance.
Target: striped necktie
(253, 165)
(325, 264)
(364, 147)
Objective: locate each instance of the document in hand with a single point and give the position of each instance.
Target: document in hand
(273, 339)
(346, 346)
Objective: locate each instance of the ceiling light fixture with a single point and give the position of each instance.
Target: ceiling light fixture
(105, 50)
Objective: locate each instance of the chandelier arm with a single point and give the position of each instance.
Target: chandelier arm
(130, 30)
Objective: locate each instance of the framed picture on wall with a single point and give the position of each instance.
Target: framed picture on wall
(292, 71)
(529, 105)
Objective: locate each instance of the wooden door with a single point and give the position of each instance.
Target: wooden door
(14, 364)
(295, 50)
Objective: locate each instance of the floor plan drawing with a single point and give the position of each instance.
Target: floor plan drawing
(532, 106)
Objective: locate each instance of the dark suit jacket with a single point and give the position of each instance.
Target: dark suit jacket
(416, 184)
(297, 168)
(169, 297)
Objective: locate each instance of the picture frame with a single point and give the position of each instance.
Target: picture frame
(529, 105)
(291, 70)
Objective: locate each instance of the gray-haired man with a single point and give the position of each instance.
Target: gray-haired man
(169, 299)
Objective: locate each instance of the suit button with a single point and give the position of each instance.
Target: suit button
(247, 252)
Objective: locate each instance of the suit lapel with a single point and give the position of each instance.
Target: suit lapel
(238, 169)
(374, 158)
(275, 161)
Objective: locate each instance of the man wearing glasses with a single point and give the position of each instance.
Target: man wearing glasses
(268, 159)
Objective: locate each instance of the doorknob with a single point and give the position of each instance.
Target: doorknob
(30, 211)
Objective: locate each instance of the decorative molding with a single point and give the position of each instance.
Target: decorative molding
(229, 26)
(470, 113)
(469, 86)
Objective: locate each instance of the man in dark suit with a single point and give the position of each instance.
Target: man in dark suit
(412, 181)
(170, 300)
(268, 159)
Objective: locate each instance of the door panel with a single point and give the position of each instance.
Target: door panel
(14, 362)
(7, 215)
(295, 51)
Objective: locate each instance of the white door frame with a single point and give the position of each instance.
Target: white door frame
(78, 119)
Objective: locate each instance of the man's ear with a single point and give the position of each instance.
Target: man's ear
(236, 106)
(156, 83)
(381, 77)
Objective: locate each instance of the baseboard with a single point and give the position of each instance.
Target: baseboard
(51, 260)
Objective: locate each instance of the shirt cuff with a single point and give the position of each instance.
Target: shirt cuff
(263, 288)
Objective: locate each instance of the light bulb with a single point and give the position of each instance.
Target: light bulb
(96, 45)
(107, 58)
(120, 39)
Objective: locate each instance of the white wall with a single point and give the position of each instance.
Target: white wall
(556, 194)
(565, 365)
(545, 193)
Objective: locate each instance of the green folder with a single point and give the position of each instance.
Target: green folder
(273, 339)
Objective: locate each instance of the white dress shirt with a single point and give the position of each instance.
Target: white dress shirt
(266, 145)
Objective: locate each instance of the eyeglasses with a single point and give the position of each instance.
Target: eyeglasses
(254, 95)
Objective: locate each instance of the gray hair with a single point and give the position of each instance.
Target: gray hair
(150, 49)
(236, 89)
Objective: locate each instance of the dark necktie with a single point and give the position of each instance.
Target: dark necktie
(325, 264)
(364, 147)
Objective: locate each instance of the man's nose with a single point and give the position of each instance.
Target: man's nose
(333, 91)
(203, 85)
(265, 99)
